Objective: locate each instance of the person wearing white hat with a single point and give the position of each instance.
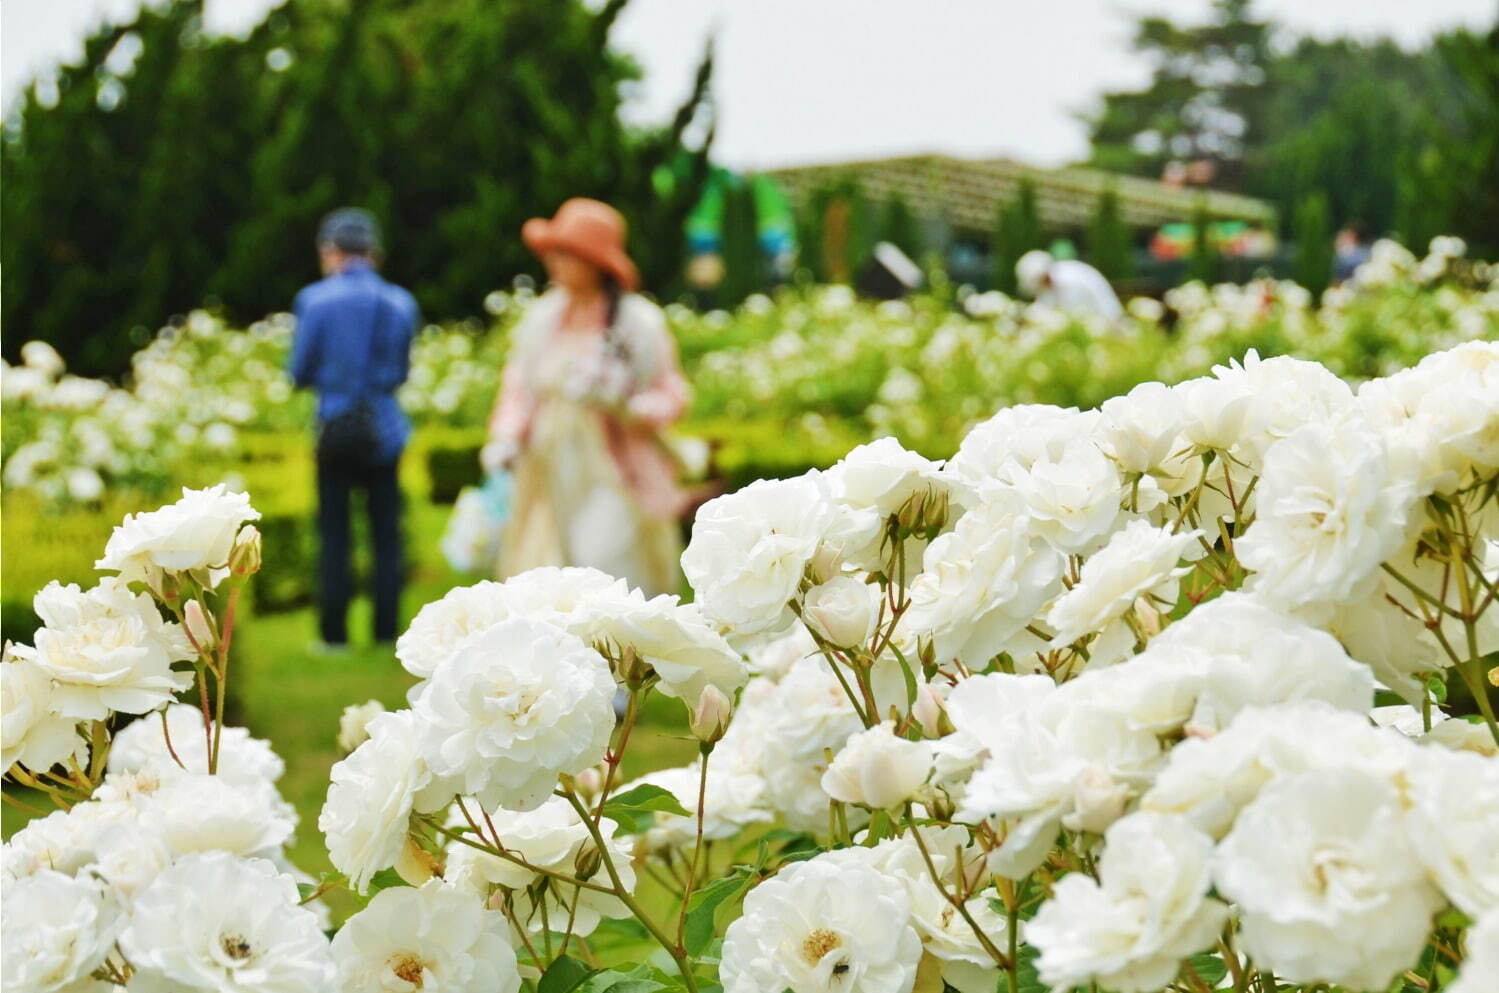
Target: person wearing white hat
(1067, 284)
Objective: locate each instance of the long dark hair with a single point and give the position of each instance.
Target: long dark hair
(614, 343)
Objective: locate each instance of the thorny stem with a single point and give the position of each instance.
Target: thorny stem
(221, 675)
(676, 951)
(957, 904)
(697, 847)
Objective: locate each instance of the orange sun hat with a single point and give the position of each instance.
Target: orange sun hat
(589, 229)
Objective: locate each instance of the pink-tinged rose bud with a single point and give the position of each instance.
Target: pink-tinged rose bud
(710, 719)
(199, 625)
(931, 712)
(589, 782)
(244, 558)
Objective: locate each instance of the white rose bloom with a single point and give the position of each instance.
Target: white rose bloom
(517, 705)
(1156, 691)
(353, 723)
(215, 922)
(1478, 970)
(57, 930)
(1462, 735)
(1074, 496)
(1329, 512)
(142, 745)
(1256, 656)
(980, 583)
(1139, 429)
(1328, 885)
(1209, 780)
(844, 611)
(774, 657)
(194, 535)
(876, 769)
(64, 840)
(1021, 435)
(884, 476)
(1454, 825)
(735, 797)
(371, 795)
(947, 936)
(432, 937)
(31, 731)
(549, 837)
(130, 856)
(195, 812)
(820, 927)
(441, 626)
(675, 640)
(1140, 560)
(1288, 393)
(1130, 931)
(1215, 413)
(1386, 636)
(107, 649)
(750, 548)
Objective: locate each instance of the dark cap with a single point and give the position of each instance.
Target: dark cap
(350, 229)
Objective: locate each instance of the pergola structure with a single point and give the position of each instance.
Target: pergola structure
(967, 193)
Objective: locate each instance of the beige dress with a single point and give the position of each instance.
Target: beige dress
(594, 485)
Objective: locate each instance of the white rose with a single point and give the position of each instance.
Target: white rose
(353, 724)
(1328, 885)
(215, 922)
(877, 769)
(1150, 909)
(1288, 393)
(1454, 824)
(516, 706)
(1140, 560)
(1209, 780)
(808, 713)
(750, 548)
(843, 611)
(193, 535)
(1073, 495)
(371, 795)
(429, 937)
(130, 856)
(57, 930)
(819, 927)
(1256, 656)
(143, 745)
(883, 476)
(1329, 512)
(1482, 963)
(673, 639)
(980, 583)
(1019, 436)
(1214, 412)
(1139, 429)
(64, 840)
(31, 731)
(200, 813)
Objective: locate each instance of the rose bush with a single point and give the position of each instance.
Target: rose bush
(1093, 703)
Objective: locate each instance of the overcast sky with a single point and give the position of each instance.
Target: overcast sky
(827, 80)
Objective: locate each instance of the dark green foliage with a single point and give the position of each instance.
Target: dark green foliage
(1017, 231)
(1108, 240)
(451, 468)
(203, 171)
(1203, 262)
(837, 229)
(899, 227)
(1314, 249)
(742, 259)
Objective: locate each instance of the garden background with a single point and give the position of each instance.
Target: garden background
(178, 171)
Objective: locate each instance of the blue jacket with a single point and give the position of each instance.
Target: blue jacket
(353, 340)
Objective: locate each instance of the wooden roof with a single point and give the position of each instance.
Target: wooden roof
(969, 192)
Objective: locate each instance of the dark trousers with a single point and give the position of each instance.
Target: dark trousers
(335, 481)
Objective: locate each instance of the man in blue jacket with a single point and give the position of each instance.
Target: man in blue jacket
(353, 346)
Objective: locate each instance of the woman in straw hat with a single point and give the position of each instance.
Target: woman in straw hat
(591, 381)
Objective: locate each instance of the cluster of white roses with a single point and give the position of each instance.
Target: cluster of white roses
(1010, 646)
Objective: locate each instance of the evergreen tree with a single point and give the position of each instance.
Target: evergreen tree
(742, 259)
(1202, 264)
(1109, 241)
(1017, 231)
(202, 171)
(1312, 229)
(899, 227)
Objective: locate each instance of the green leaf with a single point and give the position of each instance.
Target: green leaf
(635, 810)
(701, 925)
(385, 879)
(1209, 967)
(563, 976)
